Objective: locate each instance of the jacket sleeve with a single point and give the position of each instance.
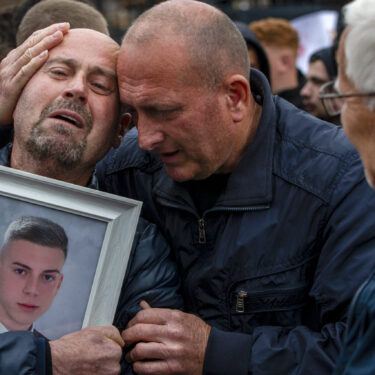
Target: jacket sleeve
(21, 353)
(151, 275)
(346, 247)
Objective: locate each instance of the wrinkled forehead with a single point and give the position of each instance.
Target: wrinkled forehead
(88, 46)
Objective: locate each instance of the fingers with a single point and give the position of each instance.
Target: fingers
(150, 358)
(145, 350)
(93, 350)
(143, 332)
(110, 332)
(152, 367)
(115, 336)
(153, 316)
(144, 305)
(45, 39)
(31, 54)
(21, 63)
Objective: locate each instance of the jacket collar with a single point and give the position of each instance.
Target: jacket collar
(250, 184)
(5, 155)
(6, 151)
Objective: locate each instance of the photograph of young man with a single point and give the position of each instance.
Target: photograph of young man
(31, 262)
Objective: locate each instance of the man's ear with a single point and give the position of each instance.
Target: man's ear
(125, 121)
(238, 93)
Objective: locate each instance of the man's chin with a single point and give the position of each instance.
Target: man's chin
(64, 152)
(184, 173)
(179, 173)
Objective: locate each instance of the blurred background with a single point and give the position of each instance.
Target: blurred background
(120, 13)
(316, 21)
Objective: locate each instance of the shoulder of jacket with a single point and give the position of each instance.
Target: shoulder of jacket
(311, 153)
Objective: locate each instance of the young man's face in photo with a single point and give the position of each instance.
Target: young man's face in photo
(30, 277)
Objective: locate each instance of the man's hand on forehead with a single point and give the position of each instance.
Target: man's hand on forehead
(22, 62)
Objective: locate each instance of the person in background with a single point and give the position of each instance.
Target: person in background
(322, 69)
(281, 42)
(48, 12)
(257, 56)
(11, 16)
(31, 261)
(353, 95)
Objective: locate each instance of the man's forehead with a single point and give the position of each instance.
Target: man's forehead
(25, 246)
(317, 69)
(88, 45)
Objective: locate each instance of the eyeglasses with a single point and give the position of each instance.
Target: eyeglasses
(333, 101)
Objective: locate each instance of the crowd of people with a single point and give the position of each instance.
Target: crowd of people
(255, 250)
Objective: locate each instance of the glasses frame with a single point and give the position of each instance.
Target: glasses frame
(337, 95)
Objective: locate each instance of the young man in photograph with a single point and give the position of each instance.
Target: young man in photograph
(31, 262)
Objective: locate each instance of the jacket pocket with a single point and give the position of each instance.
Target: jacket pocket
(276, 307)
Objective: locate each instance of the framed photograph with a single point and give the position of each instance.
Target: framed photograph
(100, 228)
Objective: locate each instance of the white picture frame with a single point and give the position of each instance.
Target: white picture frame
(103, 221)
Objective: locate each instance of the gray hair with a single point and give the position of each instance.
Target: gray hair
(215, 45)
(37, 230)
(360, 46)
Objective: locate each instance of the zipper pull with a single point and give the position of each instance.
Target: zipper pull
(202, 231)
(240, 305)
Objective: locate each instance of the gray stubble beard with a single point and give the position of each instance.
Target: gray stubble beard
(67, 154)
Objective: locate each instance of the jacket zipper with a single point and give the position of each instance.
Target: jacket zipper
(202, 231)
(240, 304)
(202, 224)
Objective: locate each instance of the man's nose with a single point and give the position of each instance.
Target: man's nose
(31, 286)
(76, 89)
(149, 134)
(306, 89)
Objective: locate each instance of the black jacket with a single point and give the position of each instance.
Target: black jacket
(274, 264)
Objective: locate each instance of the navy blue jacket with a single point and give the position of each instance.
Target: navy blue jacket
(273, 265)
(151, 275)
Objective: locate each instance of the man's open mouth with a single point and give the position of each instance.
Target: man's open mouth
(70, 117)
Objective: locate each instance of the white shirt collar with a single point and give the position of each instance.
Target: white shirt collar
(3, 329)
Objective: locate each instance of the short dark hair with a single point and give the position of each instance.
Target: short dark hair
(37, 230)
(327, 57)
(47, 12)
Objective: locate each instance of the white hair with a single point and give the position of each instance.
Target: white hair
(360, 46)
(358, 11)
